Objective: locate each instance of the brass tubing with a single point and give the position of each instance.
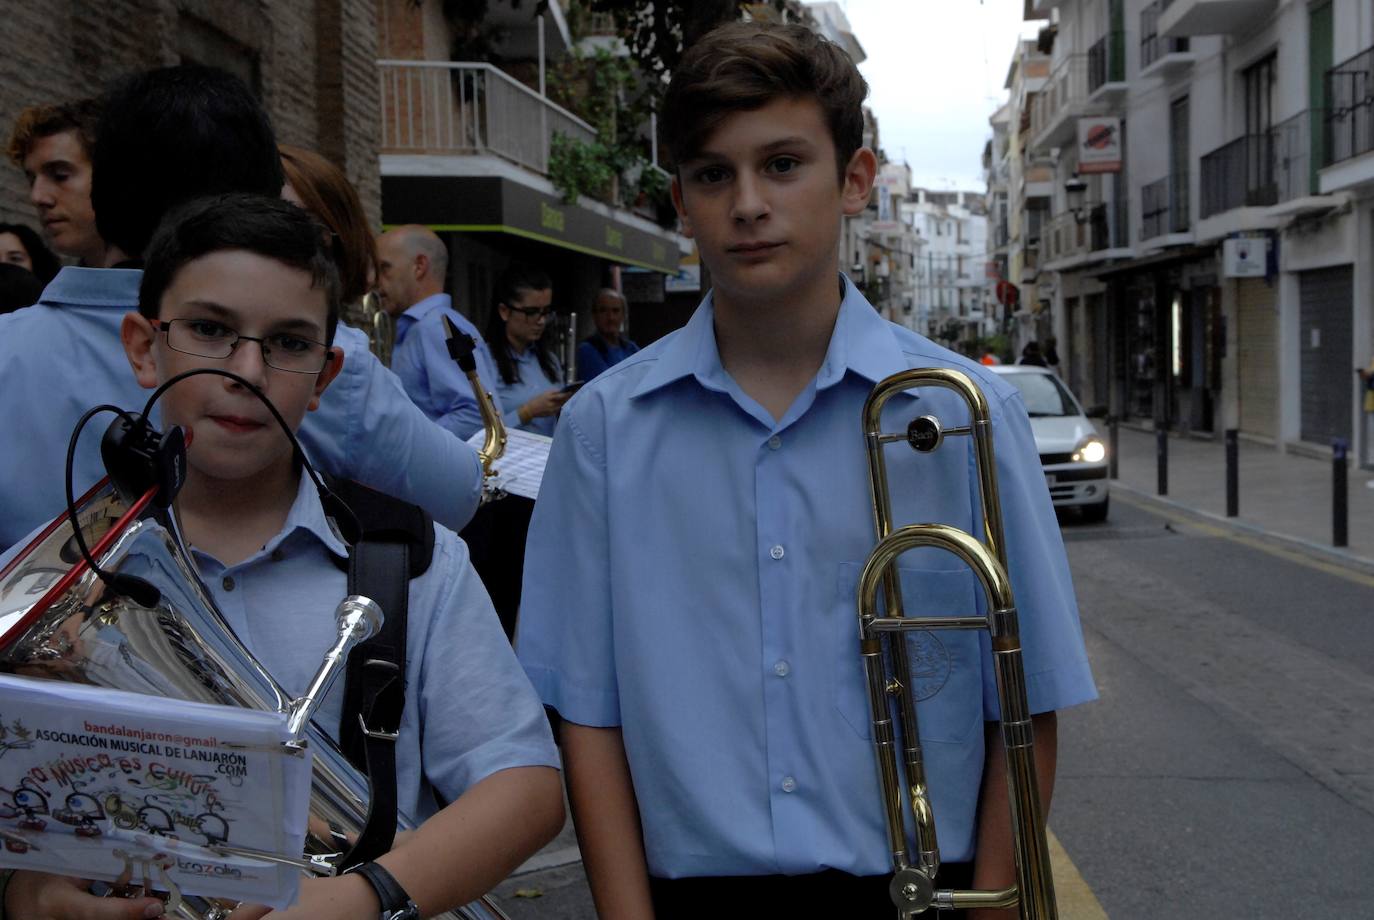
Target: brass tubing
(987, 559)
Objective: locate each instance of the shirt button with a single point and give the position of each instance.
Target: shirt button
(774, 442)
(788, 784)
(228, 583)
(782, 668)
(776, 552)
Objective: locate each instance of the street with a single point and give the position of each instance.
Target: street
(1228, 768)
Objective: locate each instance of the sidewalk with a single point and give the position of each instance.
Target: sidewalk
(1283, 496)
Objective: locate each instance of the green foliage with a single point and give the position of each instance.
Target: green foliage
(578, 168)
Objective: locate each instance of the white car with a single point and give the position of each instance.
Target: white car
(1073, 454)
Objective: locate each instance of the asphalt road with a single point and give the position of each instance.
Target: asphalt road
(1228, 769)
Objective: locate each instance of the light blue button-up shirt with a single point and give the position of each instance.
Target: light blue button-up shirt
(62, 356)
(707, 606)
(431, 377)
(469, 709)
(530, 384)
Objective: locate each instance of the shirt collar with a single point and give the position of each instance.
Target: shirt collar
(862, 342)
(423, 308)
(94, 287)
(308, 514)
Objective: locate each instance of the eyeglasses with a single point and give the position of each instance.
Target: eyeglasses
(533, 312)
(206, 338)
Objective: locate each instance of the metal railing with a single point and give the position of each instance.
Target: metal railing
(1258, 170)
(1348, 129)
(1107, 61)
(1067, 84)
(460, 107)
(1152, 46)
(1164, 207)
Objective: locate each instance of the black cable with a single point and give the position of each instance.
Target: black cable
(70, 493)
(327, 497)
(139, 590)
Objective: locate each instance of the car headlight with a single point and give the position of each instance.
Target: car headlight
(1091, 450)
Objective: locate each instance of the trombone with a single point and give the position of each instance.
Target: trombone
(888, 671)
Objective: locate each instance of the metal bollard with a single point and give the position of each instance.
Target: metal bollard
(1340, 505)
(1162, 457)
(1232, 473)
(1113, 434)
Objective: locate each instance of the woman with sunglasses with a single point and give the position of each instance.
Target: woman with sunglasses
(525, 367)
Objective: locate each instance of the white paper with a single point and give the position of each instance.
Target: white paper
(97, 782)
(520, 469)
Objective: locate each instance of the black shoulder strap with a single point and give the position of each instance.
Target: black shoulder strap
(393, 542)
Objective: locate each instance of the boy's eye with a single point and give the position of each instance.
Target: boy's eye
(209, 330)
(289, 344)
(711, 175)
(784, 164)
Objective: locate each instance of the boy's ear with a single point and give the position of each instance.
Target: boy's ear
(858, 181)
(326, 376)
(676, 189)
(138, 337)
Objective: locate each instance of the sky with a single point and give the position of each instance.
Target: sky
(935, 71)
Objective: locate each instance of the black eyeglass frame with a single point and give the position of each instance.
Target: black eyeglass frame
(533, 312)
(165, 327)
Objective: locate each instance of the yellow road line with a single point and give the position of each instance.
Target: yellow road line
(1264, 546)
(1075, 899)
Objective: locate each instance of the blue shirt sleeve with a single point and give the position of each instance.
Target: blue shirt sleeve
(589, 361)
(570, 660)
(368, 429)
(478, 713)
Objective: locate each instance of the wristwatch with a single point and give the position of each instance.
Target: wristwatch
(396, 904)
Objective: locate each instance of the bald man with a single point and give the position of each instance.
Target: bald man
(412, 266)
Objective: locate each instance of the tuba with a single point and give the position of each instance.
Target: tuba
(60, 621)
(889, 676)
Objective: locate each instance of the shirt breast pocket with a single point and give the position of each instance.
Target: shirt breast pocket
(946, 665)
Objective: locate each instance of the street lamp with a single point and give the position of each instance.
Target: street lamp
(1074, 190)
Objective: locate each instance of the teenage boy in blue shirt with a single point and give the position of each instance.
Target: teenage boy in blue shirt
(699, 637)
(473, 733)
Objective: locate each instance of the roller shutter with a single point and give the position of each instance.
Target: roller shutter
(1327, 297)
(1257, 324)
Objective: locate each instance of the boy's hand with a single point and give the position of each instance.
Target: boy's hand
(40, 896)
(345, 897)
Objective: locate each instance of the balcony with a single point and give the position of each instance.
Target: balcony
(1107, 68)
(1057, 107)
(456, 108)
(1212, 17)
(1077, 238)
(1259, 170)
(1160, 56)
(1164, 210)
(1348, 130)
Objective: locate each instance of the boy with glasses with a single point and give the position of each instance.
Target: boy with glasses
(472, 732)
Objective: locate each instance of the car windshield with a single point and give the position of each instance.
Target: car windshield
(1044, 395)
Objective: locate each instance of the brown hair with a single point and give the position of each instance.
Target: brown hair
(37, 121)
(327, 193)
(746, 65)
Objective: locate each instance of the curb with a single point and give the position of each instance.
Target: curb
(1318, 551)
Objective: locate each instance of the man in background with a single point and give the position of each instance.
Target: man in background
(52, 144)
(606, 347)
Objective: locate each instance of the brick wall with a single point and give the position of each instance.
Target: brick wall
(311, 60)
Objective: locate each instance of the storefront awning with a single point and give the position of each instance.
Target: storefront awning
(486, 204)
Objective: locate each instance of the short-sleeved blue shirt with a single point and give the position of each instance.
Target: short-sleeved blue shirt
(707, 604)
(430, 375)
(62, 356)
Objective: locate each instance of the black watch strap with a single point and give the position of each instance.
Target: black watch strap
(396, 903)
